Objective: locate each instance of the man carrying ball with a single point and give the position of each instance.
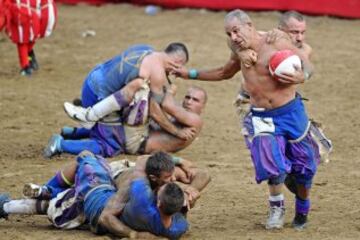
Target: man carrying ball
(280, 141)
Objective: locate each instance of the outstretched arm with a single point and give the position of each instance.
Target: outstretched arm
(226, 71)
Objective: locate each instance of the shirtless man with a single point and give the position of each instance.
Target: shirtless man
(140, 139)
(274, 102)
(294, 24)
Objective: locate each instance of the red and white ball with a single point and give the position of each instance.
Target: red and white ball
(283, 61)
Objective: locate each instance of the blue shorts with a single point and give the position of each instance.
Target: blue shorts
(280, 142)
(88, 95)
(91, 172)
(85, 201)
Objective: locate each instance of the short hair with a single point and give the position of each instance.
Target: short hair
(177, 47)
(201, 90)
(283, 21)
(242, 16)
(171, 199)
(159, 162)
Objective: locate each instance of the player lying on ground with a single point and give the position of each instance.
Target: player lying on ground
(129, 199)
(116, 138)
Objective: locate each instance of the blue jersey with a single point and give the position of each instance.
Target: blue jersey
(141, 213)
(111, 76)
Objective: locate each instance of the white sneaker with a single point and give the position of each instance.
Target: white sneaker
(78, 114)
(31, 190)
(276, 218)
(35, 191)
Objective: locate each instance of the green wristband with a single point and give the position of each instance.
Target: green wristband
(193, 73)
(176, 160)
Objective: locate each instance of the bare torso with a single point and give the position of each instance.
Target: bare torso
(265, 91)
(152, 68)
(161, 140)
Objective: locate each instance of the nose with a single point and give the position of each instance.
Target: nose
(233, 36)
(299, 37)
(189, 101)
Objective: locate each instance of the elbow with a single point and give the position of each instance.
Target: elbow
(170, 110)
(205, 178)
(226, 76)
(103, 219)
(166, 106)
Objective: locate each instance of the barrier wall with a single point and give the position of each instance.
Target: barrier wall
(339, 8)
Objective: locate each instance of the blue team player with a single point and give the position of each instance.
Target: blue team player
(115, 83)
(142, 214)
(132, 67)
(94, 198)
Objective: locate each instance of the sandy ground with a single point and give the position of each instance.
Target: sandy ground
(234, 206)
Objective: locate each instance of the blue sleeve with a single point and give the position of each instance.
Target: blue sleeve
(178, 227)
(147, 216)
(141, 195)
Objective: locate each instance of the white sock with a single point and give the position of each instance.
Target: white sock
(22, 206)
(276, 198)
(103, 108)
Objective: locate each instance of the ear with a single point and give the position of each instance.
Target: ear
(152, 178)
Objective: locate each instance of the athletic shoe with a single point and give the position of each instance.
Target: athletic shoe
(27, 71)
(300, 221)
(53, 147)
(78, 114)
(276, 218)
(33, 63)
(32, 190)
(4, 198)
(290, 183)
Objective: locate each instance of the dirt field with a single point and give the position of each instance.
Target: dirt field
(234, 206)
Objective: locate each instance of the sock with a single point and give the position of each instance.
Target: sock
(26, 206)
(74, 133)
(112, 103)
(57, 184)
(277, 201)
(23, 54)
(68, 132)
(302, 206)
